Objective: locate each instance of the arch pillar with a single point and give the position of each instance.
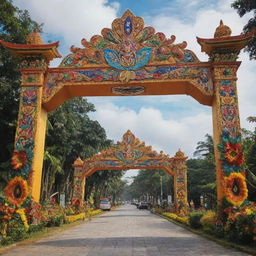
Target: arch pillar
(27, 160)
(226, 125)
(223, 51)
(79, 181)
(31, 125)
(180, 184)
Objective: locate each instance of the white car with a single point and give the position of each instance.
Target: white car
(105, 204)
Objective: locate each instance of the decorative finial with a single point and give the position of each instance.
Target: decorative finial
(34, 38)
(222, 31)
(179, 153)
(78, 161)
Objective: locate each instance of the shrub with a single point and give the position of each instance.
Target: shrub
(183, 220)
(16, 229)
(36, 228)
(208, 221)
(7, 241)
(194, 219)
(241, 229)
(55, 221)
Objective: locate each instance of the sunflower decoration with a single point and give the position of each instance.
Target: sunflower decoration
(16, 191)
(19, 159)
(234, 153)
(236, 189)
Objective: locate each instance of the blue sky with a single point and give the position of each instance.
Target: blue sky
(165, 122)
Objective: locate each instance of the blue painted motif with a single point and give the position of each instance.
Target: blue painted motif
(128, 26)
(122, 156)
(142, 58)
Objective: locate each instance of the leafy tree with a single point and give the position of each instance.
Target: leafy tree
(147, 184)
(205, 149)
(201, 181)
(243, 7)
(249, 148)
(71, 133)
(15, 25)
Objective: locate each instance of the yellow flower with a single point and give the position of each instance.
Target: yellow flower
(248, 211)
(23, 217)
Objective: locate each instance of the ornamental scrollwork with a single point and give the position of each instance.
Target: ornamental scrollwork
(128, 46)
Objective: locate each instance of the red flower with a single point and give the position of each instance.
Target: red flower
(19, 159)
(157, 75)
(76, 202)
(234, 154)
(97, 78)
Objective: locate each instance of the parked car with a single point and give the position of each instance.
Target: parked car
(143, 205)
(105, 204)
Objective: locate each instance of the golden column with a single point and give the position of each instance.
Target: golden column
(79, 180)
(180, 183)
(31, 126)
(223, 51)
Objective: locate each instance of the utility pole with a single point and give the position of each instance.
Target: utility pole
(161, 186)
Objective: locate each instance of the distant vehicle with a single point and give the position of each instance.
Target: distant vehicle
(105, 204)
(143, 205)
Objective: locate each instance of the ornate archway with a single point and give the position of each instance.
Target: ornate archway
(131, 153)
(131, 59)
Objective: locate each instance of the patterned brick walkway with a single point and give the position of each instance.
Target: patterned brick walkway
(125, 231)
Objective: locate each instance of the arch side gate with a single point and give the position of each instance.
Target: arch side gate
(130, 59)
(130, 153)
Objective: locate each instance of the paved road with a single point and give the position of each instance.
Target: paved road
(125, 231)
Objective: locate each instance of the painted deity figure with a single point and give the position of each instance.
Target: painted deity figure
(127, 53)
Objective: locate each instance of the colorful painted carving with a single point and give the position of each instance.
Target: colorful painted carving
(199, 77)
(24, 142)
(128, 46)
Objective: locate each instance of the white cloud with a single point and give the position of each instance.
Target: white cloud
(149, 125)
(72, 20)
(204, 25)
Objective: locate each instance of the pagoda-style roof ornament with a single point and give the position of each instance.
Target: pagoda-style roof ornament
(34, 38)
(222, 31)
(34, 48)
(179, 153)
(224, 43)
(78, 162)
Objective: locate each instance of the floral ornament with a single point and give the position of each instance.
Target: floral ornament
(16, 191)
(234, 154)
(231, 154)
(236, 189)
(22, 159)
(19, 159)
